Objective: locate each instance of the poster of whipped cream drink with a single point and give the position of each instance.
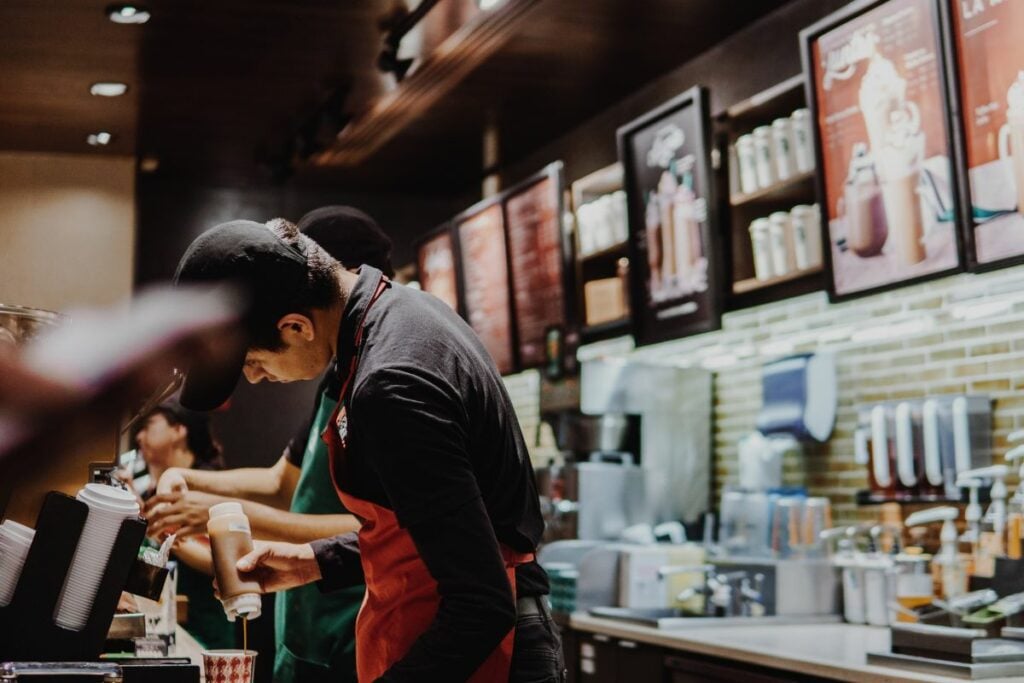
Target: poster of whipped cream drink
(988, 37)
(665, 157)
(888, 184)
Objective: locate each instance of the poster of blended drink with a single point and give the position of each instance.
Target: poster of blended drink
(435, 264)
(673, 276)
(877, 92)
(988, 37)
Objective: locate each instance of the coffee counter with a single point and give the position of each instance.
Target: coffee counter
(830, 651)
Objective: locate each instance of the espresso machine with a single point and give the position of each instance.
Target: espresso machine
(637, 452)
(594, 494)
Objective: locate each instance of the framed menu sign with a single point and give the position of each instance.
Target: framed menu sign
(435, 264)
(483, 265)
(538, 253)
(674, 272)
(986, 39)
(877, 92)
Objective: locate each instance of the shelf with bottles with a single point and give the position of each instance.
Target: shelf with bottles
(599, 208)
(792, 188)
(753, 284)
(768, 176)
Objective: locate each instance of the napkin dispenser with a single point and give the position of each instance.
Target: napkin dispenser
(799, 397)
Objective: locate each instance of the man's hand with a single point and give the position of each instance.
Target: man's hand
(279, 566)
(172, 480)
(182, 512)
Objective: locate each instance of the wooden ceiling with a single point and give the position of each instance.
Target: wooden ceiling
(220, 87)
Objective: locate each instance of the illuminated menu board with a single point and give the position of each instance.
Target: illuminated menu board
(536, 257)
(435, 262)
(484, 267)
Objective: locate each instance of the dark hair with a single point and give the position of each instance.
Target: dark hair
(350, 236)
(198, 436)
(320, 290)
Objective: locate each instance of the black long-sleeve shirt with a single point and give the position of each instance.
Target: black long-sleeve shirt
(433, 437)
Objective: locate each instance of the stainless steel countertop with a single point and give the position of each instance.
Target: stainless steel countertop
(837, 651)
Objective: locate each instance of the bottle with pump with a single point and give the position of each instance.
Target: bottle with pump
(230, 540)
(1015, 506)
(992, 525)
(972, 516)
(951, 568)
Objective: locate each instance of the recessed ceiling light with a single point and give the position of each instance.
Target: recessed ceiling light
(100, 139)
(149, 164)
(108, 89)
(127, 14)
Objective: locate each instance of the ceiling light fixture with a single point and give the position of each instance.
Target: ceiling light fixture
(108, 89)
(128, 14)
(101, 139)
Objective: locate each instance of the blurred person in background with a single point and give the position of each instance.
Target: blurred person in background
(172, 436)
(293, 500)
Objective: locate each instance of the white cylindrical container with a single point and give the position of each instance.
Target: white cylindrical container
(735, 187)
(15, 541)
(803, 144)
(782, 243)
(764, 156)
(760, 244)
(782, 144)
(806, 236)
(748, 163)
(878, 592)
(853, 589)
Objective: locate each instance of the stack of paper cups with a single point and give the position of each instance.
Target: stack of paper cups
(15, 540)
(108, 508)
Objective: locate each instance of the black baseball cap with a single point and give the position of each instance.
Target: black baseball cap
(350, 236)
(268, 273)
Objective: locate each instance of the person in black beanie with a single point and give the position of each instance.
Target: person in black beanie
(315, 633)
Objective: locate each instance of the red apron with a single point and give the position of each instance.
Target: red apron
(401, 596)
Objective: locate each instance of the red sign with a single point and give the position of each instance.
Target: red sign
(435, 261)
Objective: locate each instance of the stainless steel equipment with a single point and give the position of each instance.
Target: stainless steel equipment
(19, 325)
(674, 405)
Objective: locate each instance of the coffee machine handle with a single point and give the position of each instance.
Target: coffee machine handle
(905, 446)
(880, 447)
(932, 452)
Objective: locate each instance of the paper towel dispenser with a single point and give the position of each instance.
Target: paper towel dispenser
(799, 397)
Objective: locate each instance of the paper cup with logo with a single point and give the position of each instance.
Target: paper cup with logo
(229, 666)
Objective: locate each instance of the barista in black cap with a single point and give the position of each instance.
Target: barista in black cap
(315, 633)
(424, 447)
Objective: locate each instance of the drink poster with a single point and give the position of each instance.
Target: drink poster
(484, 268)
(435, 262)
(534, 223)
(989, 42)
(673, 274)
(887, 181)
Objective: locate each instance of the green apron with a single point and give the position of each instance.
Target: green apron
(315, 631)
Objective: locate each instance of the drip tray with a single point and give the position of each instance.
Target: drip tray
(966, 671)
(669, 619)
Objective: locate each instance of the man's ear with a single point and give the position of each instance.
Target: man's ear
(297, 324)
